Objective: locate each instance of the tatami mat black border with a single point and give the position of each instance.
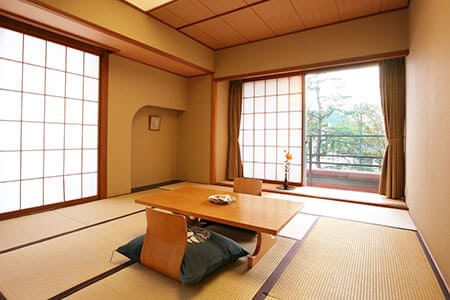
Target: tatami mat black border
(433, 267)
(68, 232)
(278, 271)
(90, 281)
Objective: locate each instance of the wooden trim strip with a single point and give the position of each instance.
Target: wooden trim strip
(221, 14)
(213, 139)
(303, 168)
(437, 273)
(279, 269)
(91, 281)
(19, 23)
(102, 189)
(48, 35)
(317, 66)
(68, 232)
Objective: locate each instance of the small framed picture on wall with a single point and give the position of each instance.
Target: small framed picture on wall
(154, 123)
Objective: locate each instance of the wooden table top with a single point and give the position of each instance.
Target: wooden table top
(262, 214)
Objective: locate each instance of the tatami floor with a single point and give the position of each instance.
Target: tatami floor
(59, 253)
(334, 194)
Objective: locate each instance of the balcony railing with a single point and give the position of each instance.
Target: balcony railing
(347, 160)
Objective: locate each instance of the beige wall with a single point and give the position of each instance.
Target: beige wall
(133, 86)
(194, 132)
(154, 153)
(221, 130)
(119, 17)
(362, 37)
(428, 126)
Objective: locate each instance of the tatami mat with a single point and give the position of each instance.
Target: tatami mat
(45, 269)
(338, 259)
(349, 211)
(26, 229)
(234, 281)
(349, 260)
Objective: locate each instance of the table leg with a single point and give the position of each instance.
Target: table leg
(264, 243)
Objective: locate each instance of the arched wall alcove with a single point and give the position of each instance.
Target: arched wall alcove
(153, 152)
(133, 86)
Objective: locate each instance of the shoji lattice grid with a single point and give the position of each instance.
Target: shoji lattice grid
(48, 122)
(271, 123)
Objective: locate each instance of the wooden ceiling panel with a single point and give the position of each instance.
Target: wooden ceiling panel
(316, 13)
(219, 30)
(167, 16)
(247, 23)
(190, 10)
(225, 23)
(393, 4)
(254, 1)
(223, 6)
(349, 9)
(195, 32)
(280, 16)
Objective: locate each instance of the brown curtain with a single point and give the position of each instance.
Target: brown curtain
(234, 163)
(392, 87)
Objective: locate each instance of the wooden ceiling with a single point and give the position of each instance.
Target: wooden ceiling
(224, 23)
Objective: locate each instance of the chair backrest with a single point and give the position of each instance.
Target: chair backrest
(247, 186)
(165, 242)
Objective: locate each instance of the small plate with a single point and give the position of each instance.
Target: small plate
(221, 199)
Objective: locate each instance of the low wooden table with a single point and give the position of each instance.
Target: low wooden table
(267, 216)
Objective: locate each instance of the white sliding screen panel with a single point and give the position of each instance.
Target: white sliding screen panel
(49, 116)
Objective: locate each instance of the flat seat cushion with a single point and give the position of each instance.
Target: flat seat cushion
(206, 251)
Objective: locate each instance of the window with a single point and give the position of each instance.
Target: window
(345, 128)
(49, 116)
(271, 123)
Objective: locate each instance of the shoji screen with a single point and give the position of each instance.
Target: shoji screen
(271, 123)
(49, 107)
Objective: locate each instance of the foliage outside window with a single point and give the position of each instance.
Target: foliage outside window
(345, 128)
